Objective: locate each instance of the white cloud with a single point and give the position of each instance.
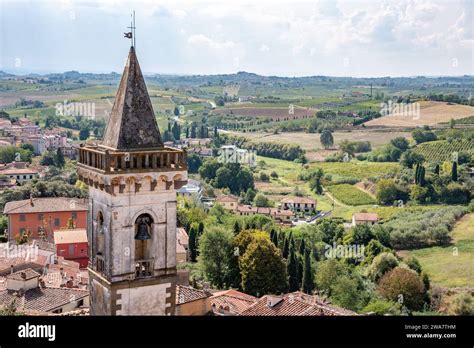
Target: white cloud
(264, 48)
(200, 39)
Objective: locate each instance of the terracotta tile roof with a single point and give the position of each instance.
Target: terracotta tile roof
(247, 209)
(365, 217)
(298, 200)
(42, 299)
(227, 198)
(70, 236)
(231, 302)
(26, 274)
(293, 304)
(263, 210)
(276, 211)
(185, 294)
(45, 205)
(20, 263)
(11, 171)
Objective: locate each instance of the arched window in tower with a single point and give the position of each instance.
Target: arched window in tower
(143, 232)
(100, 238)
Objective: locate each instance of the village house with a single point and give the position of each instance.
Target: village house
(364, 218)
(41, 216)
(72, 245)
(191, 301)
(298, 204)
(22, 172)
(229, 202)
(29, 293)
(191, 190)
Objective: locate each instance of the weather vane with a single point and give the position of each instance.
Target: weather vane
(131, 34)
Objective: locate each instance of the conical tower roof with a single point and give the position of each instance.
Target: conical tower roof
(132, 123)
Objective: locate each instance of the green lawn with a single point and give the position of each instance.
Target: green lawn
(451, 266)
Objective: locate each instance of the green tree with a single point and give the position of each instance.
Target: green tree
(386, 192)
(410, 158)
(215, 253)
(262, 268)
(308, 279)
(262, 201)
(454, 171)
(401, 143)
(403, 285)
(327, 139)
(193, 235)
(381, 264)
(59, 160)
(292, 269)
(176, 111)
(236, 227)
(84, 133)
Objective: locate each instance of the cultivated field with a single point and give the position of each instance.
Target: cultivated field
(350, 195)
(431, 113)
(310, 142)
(275, 114)
(442, 150)
(451, 266)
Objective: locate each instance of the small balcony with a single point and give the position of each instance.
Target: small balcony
(144, 268)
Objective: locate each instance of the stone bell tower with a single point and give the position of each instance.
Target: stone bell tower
(132, 181)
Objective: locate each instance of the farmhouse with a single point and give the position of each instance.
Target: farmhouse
(229, 202)
(298, 204)
(364, 218)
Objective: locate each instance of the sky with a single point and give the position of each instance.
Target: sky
(360, 38)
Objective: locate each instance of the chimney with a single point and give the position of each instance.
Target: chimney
(31, 200)
(205, 286)
(11, 269)
(23, 275)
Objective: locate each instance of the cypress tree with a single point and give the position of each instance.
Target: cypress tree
(302, 247)
(187, 132)
(436, 170)
(417, 174)
(454, 172)
(286, 246)
(236, 227)
(193, 243)
(292, 269)
(272, 234)
(300, 271)
(216, 133)
(275, 239)
(421, 180)
(308, 281)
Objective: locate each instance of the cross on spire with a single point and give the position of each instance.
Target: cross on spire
(131, 34)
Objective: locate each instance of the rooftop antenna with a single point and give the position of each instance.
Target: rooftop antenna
(131, 34)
